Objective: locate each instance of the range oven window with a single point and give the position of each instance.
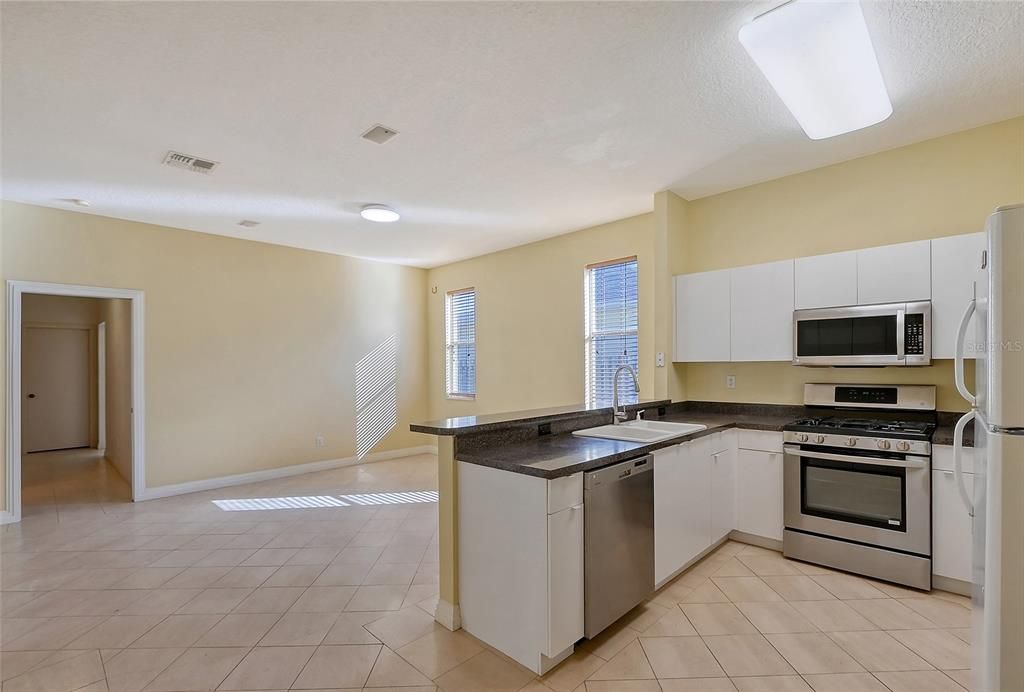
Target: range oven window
(855, 493)
(847, 336)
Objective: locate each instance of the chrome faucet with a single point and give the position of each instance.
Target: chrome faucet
(621, 416)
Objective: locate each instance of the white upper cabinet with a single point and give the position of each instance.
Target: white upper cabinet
(702, 317)
(894, 273)
(826, 281)
(762, 312)
(955, 264)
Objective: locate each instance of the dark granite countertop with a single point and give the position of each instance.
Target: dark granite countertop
(554, 456)
(462, 425)
(944, 432)
(511, 441)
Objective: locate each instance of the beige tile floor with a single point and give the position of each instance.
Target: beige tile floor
(180, 595)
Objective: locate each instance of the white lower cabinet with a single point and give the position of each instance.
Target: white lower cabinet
(565, 576)
(694, 500)
(951, 523)
(723, 488)
(521, 537)
(682, 507)
(759, 492)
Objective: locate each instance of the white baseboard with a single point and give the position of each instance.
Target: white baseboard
(281, 472)
(759, 541)
(6, 517)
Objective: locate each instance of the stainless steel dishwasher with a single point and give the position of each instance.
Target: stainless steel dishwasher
(619, 541)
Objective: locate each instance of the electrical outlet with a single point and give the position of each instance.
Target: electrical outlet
(660, 359)
(730, 382)
(320, 441)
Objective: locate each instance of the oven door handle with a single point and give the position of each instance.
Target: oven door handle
(911, 462)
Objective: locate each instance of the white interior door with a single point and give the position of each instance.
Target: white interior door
(55, 387)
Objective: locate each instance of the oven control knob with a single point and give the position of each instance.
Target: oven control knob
(903, 446)
(852, 442)
(884, 444)
(819, 439)
(802, 437)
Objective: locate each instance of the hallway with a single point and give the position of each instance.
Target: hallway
(70, 482)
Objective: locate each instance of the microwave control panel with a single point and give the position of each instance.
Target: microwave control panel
(913, 339)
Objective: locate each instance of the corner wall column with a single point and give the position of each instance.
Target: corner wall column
(447, 612)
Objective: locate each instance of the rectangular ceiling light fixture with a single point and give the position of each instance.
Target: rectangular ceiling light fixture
(819, 58)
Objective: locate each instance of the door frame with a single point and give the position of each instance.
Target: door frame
(15, 291)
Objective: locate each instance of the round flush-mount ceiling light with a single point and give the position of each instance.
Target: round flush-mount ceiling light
(380, 213)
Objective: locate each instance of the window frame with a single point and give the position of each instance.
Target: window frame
(589, 335)
(450, 346)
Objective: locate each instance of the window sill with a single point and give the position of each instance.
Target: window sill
(462, 397)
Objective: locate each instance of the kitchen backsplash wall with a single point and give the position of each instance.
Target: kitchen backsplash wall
(782, 383)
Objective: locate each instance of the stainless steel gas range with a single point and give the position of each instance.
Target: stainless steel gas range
(857, 481)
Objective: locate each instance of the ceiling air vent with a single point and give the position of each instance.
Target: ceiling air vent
(379, 134)
(190, 163)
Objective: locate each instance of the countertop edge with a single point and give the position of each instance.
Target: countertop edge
(481, 459)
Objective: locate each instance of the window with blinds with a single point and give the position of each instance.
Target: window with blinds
(460, 343)
(612, 331)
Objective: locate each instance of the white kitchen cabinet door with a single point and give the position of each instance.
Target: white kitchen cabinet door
(668, 482)
(682, 507)
(825, 281)
(759, 493)
(956, 261)
(565, 579)
(762, 312)
(951, 526)
(702, 317)
(894, 273)
(723, 493)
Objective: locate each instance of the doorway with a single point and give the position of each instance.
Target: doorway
(57, 375)
(75, 397)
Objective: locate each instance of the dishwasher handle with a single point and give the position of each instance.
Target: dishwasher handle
(616, 473)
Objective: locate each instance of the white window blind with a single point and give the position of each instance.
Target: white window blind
(460, 343)
(611, 329)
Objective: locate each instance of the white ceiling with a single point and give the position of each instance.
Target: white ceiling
(517, 121)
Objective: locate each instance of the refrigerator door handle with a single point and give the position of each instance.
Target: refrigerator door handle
(958, 365)
(958, 462)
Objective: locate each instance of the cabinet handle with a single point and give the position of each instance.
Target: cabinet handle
(947, 474)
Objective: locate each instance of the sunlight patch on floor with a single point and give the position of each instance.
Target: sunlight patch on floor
(318, 501)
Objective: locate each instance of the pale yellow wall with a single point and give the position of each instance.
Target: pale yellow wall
(530, 322)
(671, 219)
(944, 186)
(938, 187)
(116, 313)
(251, 349)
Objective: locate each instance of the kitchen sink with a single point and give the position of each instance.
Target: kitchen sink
(641, 431)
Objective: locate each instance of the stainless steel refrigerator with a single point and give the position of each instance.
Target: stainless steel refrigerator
(997, 504)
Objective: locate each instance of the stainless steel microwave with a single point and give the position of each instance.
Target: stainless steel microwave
(864, 335)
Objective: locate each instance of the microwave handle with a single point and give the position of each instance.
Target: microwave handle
(958, 363)
(901, 331)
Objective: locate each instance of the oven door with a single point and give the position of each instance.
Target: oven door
(873, 498)
(891, 334)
